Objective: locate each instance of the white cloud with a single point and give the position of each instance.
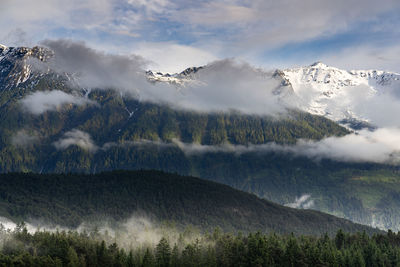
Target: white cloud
(95, 69)
(383, 57)
(78, 138)
(42, 16)
(172, 57)
(42, 101)
(303, 202)
(223, 85)
(379, 146)
(261, 23)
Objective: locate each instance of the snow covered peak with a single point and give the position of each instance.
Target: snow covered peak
(178, 79)
(331, 92)
(326, 78)
(16, 65)
(319, 64)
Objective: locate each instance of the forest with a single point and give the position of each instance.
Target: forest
(61, 248)
(72, 199)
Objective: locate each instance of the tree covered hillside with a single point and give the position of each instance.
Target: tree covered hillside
(73, 199)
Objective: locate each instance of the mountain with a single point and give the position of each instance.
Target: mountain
(334, 93)
(322, 90)
(69, 200)
(90, 130)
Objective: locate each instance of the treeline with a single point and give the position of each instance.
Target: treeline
(21, 248)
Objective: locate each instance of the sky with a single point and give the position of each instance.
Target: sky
(175, 34)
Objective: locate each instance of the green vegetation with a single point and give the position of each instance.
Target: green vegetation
(364, 193)
(21, 248)
(73, 199)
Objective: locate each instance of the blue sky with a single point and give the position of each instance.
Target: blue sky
(178, 34)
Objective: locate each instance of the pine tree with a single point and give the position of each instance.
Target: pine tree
(175, 256)
(148, 259)
(73, 260)
(163, 253)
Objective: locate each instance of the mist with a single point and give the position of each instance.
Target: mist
(135, 232)
(303, 202)
(379, 146)
(23, 138)
(42, 101)
(78, 138)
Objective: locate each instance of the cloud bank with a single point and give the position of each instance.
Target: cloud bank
(78, 138)
(379, 146)
(222, 85)
(42, 101)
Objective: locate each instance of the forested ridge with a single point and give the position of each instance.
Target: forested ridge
(71, 199)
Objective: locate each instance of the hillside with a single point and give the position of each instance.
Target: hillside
(99, 130)
(72, 199)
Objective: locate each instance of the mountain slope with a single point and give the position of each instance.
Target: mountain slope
(103, 130)
(72, 199)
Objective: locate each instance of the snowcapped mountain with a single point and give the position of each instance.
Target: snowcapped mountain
(16, 64)
(179, 79)
(336, 93)
(318, 89)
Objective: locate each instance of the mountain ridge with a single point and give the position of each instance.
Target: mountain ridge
(70, 200)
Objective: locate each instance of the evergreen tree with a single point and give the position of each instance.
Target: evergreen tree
(73, 259)
(148, 259)
(163, 253)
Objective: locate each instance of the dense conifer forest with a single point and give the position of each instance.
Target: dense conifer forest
(70, 200)
(21, 248)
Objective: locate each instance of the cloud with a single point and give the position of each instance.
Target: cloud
(381, 110)
(225, 85)
(222, 85)
(269, 23)
(78, 138)
(366, 56)
(137, 143)
(239, 28)
(23, 138)
(95, 69)
(43, 16)
(42, 101)
(379, 146)
(303, 202)
(172, 57)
